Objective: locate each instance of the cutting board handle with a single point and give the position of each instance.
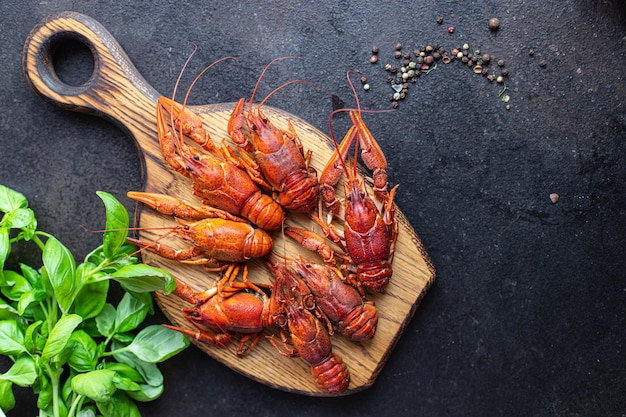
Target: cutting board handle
(115, 90)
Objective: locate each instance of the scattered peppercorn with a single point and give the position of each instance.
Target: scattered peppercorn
(423, 60)
(494, 23)
(451, 29)
(439, 20)
(375, 50)
(542, 63)
(373, 59)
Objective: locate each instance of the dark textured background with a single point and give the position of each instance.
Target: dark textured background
(527, 315)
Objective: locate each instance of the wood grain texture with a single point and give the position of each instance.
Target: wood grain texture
(116, 91)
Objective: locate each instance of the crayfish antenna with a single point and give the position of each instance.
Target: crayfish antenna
(178, 138)
(258, 82)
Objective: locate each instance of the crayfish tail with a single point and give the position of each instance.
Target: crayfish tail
(332, 375)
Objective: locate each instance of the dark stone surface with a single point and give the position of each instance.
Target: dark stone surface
(527, 316)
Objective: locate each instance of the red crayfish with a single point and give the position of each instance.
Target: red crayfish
(310, 338)
(219, 177)
(278, 153)
(217, 236)
(369, 235)
(233, 307)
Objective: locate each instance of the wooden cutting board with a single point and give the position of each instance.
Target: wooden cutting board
(118, 92)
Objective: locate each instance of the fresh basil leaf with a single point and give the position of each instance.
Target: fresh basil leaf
(145, 278)
(7, 312)
(30, 336)
(83, 352)
(124, 338)
(119, 405)
(30, 297)
(89, 411)
(91, 299)
(5, 247)
(11, 338)
(146, 393)
(20, 218)
(66, 389)
(125, 384)
(15, 285)
(31, 275)
(61, 269)
(131, 312)
(11, 200)
(23, 372)
(43, 389)
(97, 385)
(59, 335)
(116, 224)
(156, 343)
(149, 371)
(7, 399)
(124, 370)
(105, 321)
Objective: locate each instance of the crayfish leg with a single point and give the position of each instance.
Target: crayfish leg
(203, 336)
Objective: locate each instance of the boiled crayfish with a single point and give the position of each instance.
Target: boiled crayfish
(279, 154)
(217, 238)
(340, 302)
(369, 234)
(309, 337)
(220, 178)
(233, 308)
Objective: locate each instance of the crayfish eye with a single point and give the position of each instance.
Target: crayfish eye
(362, 194)
(194, 314)
(265, 119)
(254, 128)
(186, 227)
(196, 157)
(188, 168)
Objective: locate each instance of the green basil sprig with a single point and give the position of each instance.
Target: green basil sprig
(81, 355)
